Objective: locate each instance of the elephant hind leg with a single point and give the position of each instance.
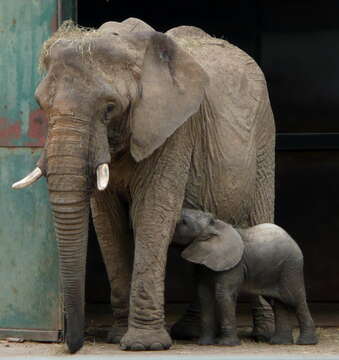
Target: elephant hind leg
(111, 222)
(307, 328)
(188, 326)
(293, 288)
(262, 211)
(283, 328)
(263, 319)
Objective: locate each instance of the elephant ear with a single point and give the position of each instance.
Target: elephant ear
(219, 252)
(172, 89)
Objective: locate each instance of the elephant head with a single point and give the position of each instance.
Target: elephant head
(106, 92)
(211, 242)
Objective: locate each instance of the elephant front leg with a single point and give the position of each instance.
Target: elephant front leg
(157, 193)
(208, 316)
(110, 219)
(226, 292)
(146, 329)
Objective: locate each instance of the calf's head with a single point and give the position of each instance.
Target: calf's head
(211, 242)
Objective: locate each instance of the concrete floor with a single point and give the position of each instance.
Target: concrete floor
(326, 317)
(328, 348)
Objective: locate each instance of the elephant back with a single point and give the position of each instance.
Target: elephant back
(237, 89)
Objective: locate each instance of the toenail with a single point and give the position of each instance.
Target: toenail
(156, 346)
(137, 347)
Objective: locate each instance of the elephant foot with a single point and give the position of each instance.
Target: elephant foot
(282, 339)
(115, 335)
(188, 326)
(263, 325)
(206, 340)
(309, 338)
(120, 325)
(228, 341)
(137, 339)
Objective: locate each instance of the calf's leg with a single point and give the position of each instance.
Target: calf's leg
(283, 329)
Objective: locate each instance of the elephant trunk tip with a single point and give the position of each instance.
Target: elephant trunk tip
(74, 337)
(74, 346)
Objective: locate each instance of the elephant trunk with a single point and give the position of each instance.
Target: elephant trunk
(71, 226)
(75, 150)
(68, 184)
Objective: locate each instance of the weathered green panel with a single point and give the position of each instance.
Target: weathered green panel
(29, 280)
(24, 26)
(67, 9)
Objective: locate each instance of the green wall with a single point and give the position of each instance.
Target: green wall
(29, 282)
(24, 25)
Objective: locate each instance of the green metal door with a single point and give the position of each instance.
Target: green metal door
(30, 300)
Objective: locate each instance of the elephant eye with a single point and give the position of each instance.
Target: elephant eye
(110, 111)
(110, 107)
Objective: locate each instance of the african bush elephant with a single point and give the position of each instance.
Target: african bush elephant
(262, 260)
(159, 120)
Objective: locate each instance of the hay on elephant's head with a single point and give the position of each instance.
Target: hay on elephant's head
(80, 36)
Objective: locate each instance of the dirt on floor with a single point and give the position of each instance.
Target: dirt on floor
(328, 345)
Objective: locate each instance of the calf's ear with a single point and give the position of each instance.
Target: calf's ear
(220, 252)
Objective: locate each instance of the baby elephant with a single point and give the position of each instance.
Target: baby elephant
(261, 260)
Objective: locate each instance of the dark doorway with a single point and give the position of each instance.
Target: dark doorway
(296, 42)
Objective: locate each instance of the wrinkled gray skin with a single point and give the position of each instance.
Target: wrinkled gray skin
(181, 118)
(261, 260)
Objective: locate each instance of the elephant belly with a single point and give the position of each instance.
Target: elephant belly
(225, 189)
(270, 290)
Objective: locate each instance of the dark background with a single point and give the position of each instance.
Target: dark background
(296, 43)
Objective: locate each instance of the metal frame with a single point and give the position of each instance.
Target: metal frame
(24, 151)
(32, 335)
(307, 141)
(67, 9)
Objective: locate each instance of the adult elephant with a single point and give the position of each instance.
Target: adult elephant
(176, 119)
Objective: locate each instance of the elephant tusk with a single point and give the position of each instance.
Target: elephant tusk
(102, 176)
(29, 179)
